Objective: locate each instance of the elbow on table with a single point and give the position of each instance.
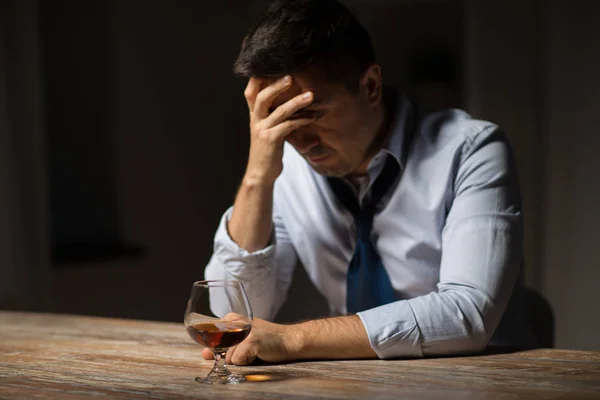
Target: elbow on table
(474, 317)
(472, 337)
(470, 333)
(463, 341)
(475, 342)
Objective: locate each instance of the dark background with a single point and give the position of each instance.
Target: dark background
(123, 137)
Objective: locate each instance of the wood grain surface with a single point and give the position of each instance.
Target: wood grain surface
(73, 357)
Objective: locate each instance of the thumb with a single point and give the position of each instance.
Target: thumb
(207, 354)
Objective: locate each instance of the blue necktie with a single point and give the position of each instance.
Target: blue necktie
(368, 284)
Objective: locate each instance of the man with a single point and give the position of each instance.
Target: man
(408, 224)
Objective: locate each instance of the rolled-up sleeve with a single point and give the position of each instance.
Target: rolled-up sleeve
(266, 273)
(481, 260)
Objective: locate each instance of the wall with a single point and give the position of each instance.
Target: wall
(181, 142)
(572, 198)
(535, 73)
(502, 81)
(24, 261)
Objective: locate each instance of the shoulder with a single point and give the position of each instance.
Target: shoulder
(455, 131)
(455, 125)
(480, 153)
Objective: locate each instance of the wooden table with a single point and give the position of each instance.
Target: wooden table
(72, 357)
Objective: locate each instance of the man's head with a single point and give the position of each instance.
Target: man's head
(326, 51)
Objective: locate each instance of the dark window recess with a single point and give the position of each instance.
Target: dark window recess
(79, 102)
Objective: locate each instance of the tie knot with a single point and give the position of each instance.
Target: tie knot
(382, 184)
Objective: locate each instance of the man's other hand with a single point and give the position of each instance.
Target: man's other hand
(268, 341)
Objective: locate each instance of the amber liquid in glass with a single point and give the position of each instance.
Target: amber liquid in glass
(219, 336)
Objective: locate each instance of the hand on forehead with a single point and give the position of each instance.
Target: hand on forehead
(295, 89)
(301, 83)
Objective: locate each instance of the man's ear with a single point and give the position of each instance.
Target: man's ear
(371, 85)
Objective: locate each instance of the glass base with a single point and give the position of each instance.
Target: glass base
(220, 373)
(221, 379)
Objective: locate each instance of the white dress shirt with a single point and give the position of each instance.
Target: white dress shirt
(449, 235)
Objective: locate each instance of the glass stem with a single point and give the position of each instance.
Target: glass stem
(220, 367)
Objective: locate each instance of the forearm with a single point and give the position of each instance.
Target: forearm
(331, 338)
(251, 222)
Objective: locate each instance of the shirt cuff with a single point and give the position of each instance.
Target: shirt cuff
(393, 330)
(236, 259)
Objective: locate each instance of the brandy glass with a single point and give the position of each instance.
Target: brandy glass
(220, 326)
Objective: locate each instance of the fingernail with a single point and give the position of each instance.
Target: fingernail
(287, 79)
(307, 96)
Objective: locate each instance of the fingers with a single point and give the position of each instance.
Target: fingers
(251, 91)
(232, 317)
(264, 99)
(242, 354)
(230, 354)
(207, 354)
(287, 109)
(282, 130)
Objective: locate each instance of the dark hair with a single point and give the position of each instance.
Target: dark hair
(294, 35)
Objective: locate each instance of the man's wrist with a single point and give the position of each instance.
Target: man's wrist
(254, 180)
(295, 340)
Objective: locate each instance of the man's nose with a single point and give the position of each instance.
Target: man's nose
(303, 141)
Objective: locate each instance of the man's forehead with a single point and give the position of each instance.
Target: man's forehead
(310, 77)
